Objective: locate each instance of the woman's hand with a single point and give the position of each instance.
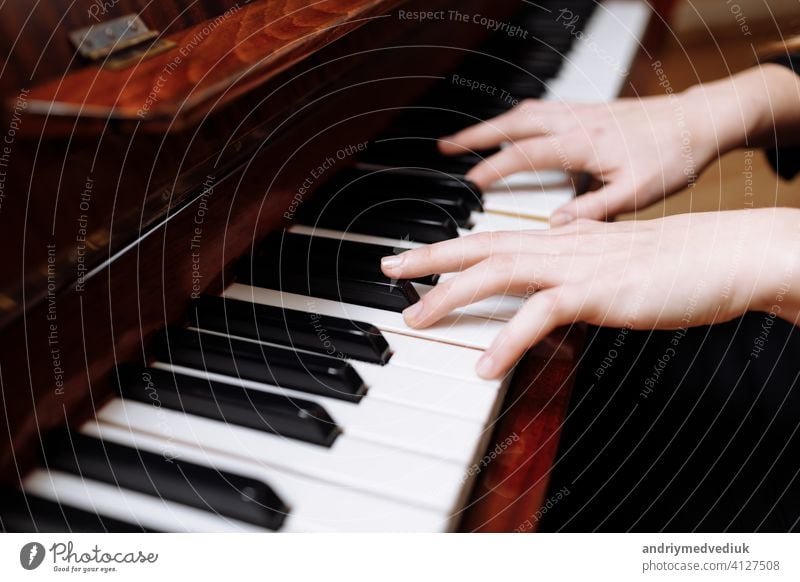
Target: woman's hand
(640, 149)
(669, 273)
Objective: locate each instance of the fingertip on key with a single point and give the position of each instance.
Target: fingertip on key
(412, 315)
(486, 367)
(392, 262)
(561, 218)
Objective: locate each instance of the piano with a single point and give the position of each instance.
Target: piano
(195, 198)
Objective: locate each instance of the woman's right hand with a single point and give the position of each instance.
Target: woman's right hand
(640, 149)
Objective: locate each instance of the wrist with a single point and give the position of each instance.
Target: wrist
(728, 112)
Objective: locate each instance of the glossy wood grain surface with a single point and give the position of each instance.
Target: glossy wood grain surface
(514, 475)
(212, 63)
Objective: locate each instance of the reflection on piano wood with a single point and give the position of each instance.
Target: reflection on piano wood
(222, 370)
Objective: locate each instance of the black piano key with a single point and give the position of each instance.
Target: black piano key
(230, 403)
(421, 153)
(287, 255)
(297, 329)
(24, 513)
(219, 492)
(422, 183)
(385, 196)
(306, 372)
(389, 295)
(412, 220)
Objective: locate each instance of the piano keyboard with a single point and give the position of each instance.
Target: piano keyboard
(298, 400)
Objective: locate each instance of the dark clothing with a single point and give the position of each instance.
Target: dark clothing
(689, 430)
(684, 430)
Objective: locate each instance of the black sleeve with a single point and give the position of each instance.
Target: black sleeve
(786, 160)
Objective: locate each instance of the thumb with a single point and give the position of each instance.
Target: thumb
(601, 204)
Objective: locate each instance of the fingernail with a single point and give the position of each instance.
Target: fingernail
(392, 261)
(412, 314)
(560, 218)
(485, 366)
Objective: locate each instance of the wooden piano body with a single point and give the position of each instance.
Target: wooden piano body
(106, 171)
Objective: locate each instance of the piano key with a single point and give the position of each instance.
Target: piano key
(371, 202)
(307, 372)
(420, 152)
(525, 195)
(312, 266)
(407, 352)
(438, 392)
(390, 219)
(20, 513)
(362, 465)
(373, 290)
(372, 197)
(396, 245)
(433, 391)
(443, 182)
(436, 357)
(482, 222)
(297, 329)
(333, 259)
(388, 183)
(189, 484)
(151, 513)
(377, 421)
(315, 505)
(599, 75)
(490, 222)
(499, 307)
(457, 328)
(289, 417)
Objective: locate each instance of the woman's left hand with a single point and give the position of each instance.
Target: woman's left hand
(670, 273)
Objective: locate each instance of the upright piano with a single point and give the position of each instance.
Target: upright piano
(194, 199)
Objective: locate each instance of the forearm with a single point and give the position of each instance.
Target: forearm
(759, 107)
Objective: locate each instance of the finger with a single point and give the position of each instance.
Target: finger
(496, 275)
(453, 255)
(605, 203)
(518, 123)
(540, 315)
(537, 153)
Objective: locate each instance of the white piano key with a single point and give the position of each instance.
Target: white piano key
(432, 391)
(313, 505)
(377, 421)
(489, 222)
(457, 329)
(499, 307)
(597, 65)
(353, 236)
(539, 179)
(518, 196)
(463, 396)
(436, 357)
(129, 506)
(415, 479)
